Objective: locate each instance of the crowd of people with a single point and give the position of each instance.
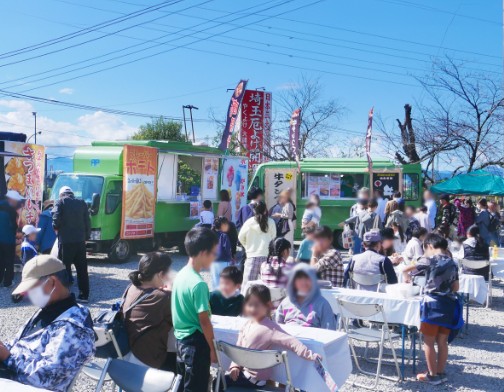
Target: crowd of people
(390, 239)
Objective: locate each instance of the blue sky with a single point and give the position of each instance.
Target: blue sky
(364, 51)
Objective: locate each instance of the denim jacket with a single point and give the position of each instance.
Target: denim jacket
(51, 357)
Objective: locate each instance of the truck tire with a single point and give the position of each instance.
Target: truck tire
(338, 239)
(121, 251)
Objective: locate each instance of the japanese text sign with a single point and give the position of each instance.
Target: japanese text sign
(275, 181)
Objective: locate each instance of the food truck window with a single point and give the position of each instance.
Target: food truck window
(113, 197)
(189, 176)
(411, 186)
(331, 186)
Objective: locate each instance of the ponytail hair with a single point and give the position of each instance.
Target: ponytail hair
(261, 216)
(149, 265)
(275, 249)
(400, 229)
(474, 232)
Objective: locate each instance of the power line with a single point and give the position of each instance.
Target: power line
(87, 30)
(45, 130)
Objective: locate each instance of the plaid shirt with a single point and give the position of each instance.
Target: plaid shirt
(270, 272)
(330, 267)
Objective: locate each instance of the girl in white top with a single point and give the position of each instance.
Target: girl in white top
(399, 237)
(414, 248)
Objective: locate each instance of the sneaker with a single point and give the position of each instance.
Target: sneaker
(426, 377)
(82, 299)
(443, 377)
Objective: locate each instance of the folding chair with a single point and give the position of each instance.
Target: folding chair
(252, 359)
(277, 294)
(135, 378)
(103, 337)
(370, 312)
(480, 264)
(361, 281)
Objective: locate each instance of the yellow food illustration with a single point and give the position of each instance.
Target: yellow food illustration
(15, 166)
(139, 202)
(17, 183)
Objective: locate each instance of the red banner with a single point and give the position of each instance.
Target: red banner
(256, 125)
(294, 133)
(232, 115)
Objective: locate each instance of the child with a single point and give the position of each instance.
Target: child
(28, 250)
(399, 237)
(311, 215)
(224, 251)
(207, 215)
(304, 253)
(191, 311)
(275, 269)
(304, 304)
(227, 300)
(325, 259)
(261, 333)
(414, 247)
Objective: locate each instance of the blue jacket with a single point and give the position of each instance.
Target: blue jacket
(46, 235)
(28, 251)
(8, 223)
(224, 247)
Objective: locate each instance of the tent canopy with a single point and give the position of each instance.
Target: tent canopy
(479, 182)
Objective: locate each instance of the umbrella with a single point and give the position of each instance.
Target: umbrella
(479, 182)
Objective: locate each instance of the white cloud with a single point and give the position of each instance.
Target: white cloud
(81, 131)
(66, 91)
(288, 86)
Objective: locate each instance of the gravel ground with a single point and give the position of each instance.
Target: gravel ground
(476, 361)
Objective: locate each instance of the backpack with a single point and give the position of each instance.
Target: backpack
(113, 319)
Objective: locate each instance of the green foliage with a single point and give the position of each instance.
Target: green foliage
(160, 129)
(188, 177)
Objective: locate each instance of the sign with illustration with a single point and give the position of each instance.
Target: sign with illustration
(327, 186)
(388, 183)
(277, 180)
(210, 178)
(139, 192)
(234, 179)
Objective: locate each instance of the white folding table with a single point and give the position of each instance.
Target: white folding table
(14, 386)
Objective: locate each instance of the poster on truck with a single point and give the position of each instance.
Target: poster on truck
(388, 183)
(210, 176)
(234, 179)
(139, 192)
(276, 181)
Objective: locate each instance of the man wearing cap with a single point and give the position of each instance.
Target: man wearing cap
(371, 262)
(8, 229)
(50, 349)
(72, 223)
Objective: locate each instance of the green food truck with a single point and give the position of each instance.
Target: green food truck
(337, 182)
(143, 194)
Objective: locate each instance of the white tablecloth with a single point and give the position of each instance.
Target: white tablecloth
(13, 386)
(498, 267)
(475, 286)
(331, 345)
(397, 310)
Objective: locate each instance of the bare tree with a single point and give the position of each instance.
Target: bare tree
(460, 123)
(318, 119)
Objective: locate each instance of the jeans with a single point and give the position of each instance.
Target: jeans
(75, 253)
(193, 363)
(357, 247)
(215, 271)
(7, 256)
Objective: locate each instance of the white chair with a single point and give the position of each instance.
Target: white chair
(103, 337)
(325, 284)
(370, 312)
(361, 281)
(135, 378)
(252, 359)
(277, 294)
(477, 265)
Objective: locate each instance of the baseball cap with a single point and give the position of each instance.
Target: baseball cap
(65, 189)
(14, 195)
(36, 268)
(29, 229)
(372, 236)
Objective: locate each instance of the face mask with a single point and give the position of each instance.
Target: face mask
(302, 294)
(37, 296)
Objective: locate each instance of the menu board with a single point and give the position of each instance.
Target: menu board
(388, 182)
(234, 179)
(194, 210)
(139, 192)
(210, 178)
(276, 181)
(327, 186)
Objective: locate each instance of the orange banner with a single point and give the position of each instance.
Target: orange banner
(139, 192)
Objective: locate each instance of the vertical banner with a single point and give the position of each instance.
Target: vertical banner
(232, 114)
(368, 140)
(294, 127)
(276, 181)
(25, 175)
(139, 191)
(234, 179)
(255, 125)
(210, 177)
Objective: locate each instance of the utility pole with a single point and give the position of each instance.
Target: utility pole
(35, 132)
(191, 107)
(185, 125)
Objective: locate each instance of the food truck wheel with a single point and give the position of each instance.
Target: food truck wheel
(121, 251)
(338, 239)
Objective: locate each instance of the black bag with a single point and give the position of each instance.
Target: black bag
(113, 319)
(282, 227)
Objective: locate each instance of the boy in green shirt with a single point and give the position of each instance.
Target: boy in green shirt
(190, 304)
